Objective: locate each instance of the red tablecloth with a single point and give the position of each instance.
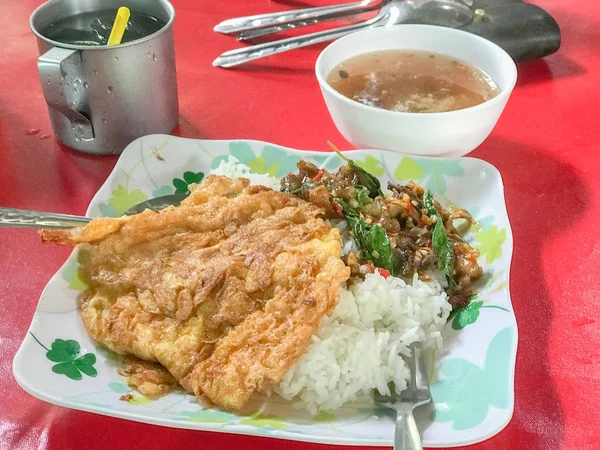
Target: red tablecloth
(546, 146)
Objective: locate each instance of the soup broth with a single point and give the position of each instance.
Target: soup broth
(412, 81)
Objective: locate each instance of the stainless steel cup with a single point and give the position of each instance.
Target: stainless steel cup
(102, 98)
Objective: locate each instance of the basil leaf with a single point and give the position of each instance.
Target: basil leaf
(364, 178)
(443, 248)
(440, 244)
(381, 249)
(367, 180)
(429, 205)
(371, 239)
(362, 195)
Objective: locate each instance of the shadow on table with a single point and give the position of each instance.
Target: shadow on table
(76, 430)
(187, 129)
(534, 184)
(80, 174)
(541, 70)
(298, 3)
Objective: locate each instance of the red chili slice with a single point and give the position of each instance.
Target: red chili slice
(383, 272)
(337, 208)
(319, 175)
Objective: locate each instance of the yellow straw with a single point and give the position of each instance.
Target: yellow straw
(116, 34)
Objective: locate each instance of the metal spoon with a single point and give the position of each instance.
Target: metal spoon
(392, 14)
(265, 30)
(240, 24)
(22, 218)
(251, 27)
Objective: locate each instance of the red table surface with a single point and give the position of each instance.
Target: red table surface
(546, 146)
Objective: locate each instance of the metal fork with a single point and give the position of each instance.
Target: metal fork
(394, 12)
(251, 27)
(312, 15)
(345, 11)
(417, 394)
(449, 13)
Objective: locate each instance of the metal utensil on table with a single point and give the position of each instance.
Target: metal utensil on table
(416, 394)
(391, 14)
(448, 13)
(251, 27)
(265, 24)
(241, 24)
(22, 218)
(346, 11)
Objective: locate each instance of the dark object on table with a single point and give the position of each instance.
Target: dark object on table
(525, 31)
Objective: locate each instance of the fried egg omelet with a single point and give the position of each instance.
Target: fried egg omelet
(222, 292)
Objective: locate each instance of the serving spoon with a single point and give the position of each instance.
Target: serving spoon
(23, 218)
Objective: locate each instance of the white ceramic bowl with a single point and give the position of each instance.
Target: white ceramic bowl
(453, 133)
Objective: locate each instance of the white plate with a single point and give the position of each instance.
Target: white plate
(472, 386)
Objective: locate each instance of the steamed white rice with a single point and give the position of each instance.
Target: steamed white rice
(233, 168)
(360, 347)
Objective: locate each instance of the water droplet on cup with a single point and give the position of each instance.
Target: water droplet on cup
(148, 55)
(45, 136)
(66, 84)
(32, 131)
(75, 90)
(95, 72)
(116, 58)
(154, 56)
(48, 83)
(85, 85)
(103, 120)
(110, 90)
(76, 82)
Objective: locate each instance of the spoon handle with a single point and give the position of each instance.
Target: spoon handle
(272, 29)
(240, 24)
(243, 55)
(407, 435)
(22, 218)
